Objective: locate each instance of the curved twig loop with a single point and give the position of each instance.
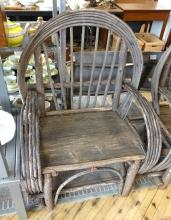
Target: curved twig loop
(153, 131)
(70, 179)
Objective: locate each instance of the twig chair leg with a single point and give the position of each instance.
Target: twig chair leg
(130, 177)
(48, 191)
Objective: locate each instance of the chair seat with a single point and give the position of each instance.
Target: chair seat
(90, 139)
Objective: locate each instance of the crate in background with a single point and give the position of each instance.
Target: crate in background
(151, 42)
(140, 43)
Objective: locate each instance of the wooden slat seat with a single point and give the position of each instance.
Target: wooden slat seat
(87, 138)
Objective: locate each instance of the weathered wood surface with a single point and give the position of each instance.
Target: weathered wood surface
(157, 76)
(161, 88)
(154, 142)
(87, 138)
(84, 18)
(30, 163)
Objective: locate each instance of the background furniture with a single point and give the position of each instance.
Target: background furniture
(145, 11)
(3, 40)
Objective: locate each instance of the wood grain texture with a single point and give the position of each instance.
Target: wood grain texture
(87, 137)
(146, 6)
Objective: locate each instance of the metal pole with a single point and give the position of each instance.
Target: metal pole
(55, 10)
(4, 97)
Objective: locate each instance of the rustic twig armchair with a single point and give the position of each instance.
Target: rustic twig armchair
(161, 89)
(79, 143)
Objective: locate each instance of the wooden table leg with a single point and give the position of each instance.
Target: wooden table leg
(130, 177)
(164, 27)
(48, 191)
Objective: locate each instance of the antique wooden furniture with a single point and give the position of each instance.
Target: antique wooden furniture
(146, 11)
(86, 148)
(11, 199)
(161, 89)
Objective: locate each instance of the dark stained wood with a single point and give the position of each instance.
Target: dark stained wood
(146, 5)
(86, 138)
(146, 11)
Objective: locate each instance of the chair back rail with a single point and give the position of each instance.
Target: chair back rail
(88, 21)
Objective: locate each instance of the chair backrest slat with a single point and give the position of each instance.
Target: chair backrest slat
(39, 80)
(81, 64)
(119, 76)
(111, 71)
(61, 70)
(50, 77)
(72, 63)
(103, 67)
(93, 66)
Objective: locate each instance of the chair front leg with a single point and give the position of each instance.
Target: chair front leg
(130, 177)
(48, 191)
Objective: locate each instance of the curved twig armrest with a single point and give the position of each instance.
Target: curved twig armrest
(156, 78)
(153, 130)
(167, 95)
(29, 141)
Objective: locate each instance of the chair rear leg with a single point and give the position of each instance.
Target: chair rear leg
(48, 191)
(17, 197)
(130, 177)
(166, 178)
